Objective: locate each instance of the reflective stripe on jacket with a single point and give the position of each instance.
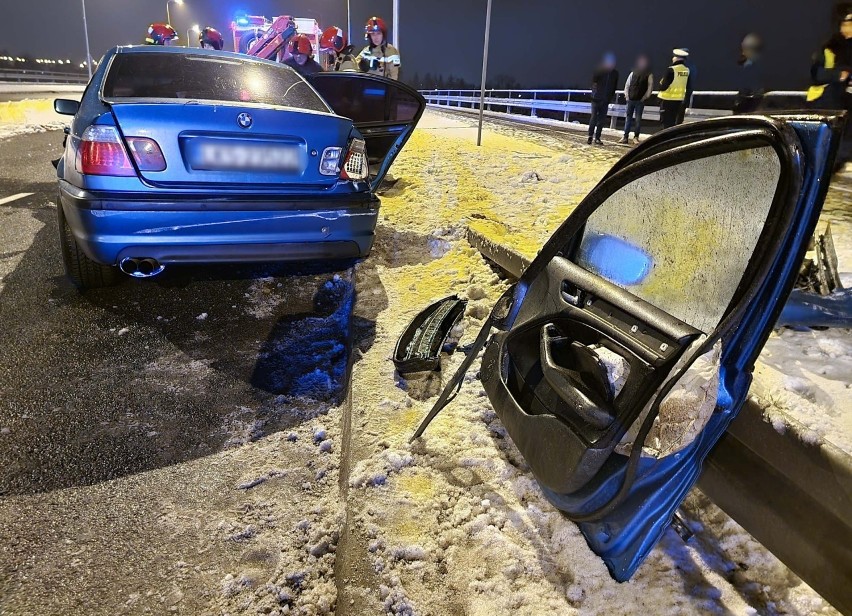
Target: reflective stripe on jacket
(677, 88)
(382, 61)
(815, 92)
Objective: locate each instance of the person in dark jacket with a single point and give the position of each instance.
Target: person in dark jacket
(604, 85)
(830, 81)
(673, 88)
(302, 56)
(638, 89)
(751, 86)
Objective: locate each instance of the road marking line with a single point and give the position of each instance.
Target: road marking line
(6, 200)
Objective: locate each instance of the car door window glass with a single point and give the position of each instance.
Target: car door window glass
(681, 237)
(368, 101)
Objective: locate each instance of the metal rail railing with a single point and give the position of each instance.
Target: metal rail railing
(36, 76)
(704, 104)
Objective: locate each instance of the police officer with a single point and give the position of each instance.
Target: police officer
(302, 56)
(211, 38)
(830, 80)
(161, 34)
(343, 57)
(673, 88)
(379, 57)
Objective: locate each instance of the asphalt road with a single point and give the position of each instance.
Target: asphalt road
(112, 382)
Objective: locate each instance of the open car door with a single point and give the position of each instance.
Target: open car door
(627, 347)
(383, 110)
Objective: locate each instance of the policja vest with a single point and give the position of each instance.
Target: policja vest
(677, 88)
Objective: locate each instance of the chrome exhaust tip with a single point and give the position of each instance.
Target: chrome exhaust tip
(144, 267)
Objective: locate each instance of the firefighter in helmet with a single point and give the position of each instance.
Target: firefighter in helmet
(211, 38)
(161, 34)
(343, 55)
(379, 57)
(302, 56)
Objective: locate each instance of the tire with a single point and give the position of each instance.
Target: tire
(246, 41)
(83, 272)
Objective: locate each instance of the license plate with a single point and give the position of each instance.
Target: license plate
(260, 157)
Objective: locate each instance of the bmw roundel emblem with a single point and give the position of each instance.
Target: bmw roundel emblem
(244, 120)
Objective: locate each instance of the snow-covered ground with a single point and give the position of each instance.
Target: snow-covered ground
(455, 524)
(34, 115)
(307, 521)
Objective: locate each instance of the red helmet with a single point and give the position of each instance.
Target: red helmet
(333, 38)
(159, 34)
(300, 44)
(211, 37)
(375, 24)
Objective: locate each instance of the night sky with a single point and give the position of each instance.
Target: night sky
(541, 43)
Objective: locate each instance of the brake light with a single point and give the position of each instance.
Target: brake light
(102, 153)
(356, 167)
(147, 154)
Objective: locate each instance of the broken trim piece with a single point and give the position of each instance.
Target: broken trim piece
(419, 347)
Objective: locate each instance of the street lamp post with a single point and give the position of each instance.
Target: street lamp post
(348, 22)
(396, 23)
(168, 16)
(484, 73)
(195, 29)
(86, 34)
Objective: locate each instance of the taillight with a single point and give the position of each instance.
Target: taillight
(356, 167)
(102, 153)
(330, 161)
(146, 153)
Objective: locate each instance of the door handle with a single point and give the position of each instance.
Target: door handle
(572, 294)
(589, 405)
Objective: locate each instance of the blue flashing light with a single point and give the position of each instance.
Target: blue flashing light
(615, 259)
(374, 92)
(242, 21)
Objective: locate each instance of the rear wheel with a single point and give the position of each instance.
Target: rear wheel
(83, 272)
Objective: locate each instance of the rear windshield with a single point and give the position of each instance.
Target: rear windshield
(209, 78)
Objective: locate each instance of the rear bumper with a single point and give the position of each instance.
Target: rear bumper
(109, 228)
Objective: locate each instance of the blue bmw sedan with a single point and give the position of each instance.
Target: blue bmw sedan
(178, 155)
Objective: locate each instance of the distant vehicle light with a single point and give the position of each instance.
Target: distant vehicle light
(615, 259)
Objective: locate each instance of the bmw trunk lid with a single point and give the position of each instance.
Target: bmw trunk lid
(225, 145)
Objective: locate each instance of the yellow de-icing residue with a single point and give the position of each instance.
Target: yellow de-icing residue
(440, 186)
(418, 488)
(418, 485)
(683, 250)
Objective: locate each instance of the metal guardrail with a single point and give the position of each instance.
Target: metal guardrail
(792, 496)
(36, 76)
(567, 102)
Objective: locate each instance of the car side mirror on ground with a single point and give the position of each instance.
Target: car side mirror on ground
(66, 106)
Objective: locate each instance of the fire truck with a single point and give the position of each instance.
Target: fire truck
(259, 36)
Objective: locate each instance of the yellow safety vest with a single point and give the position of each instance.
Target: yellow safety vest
(677, 88)
(816, 92)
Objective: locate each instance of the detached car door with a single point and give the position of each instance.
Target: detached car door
(383, 110)
(627, 347)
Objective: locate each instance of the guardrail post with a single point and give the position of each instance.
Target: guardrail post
(612, 119)
(533, 110)
(567, 113)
